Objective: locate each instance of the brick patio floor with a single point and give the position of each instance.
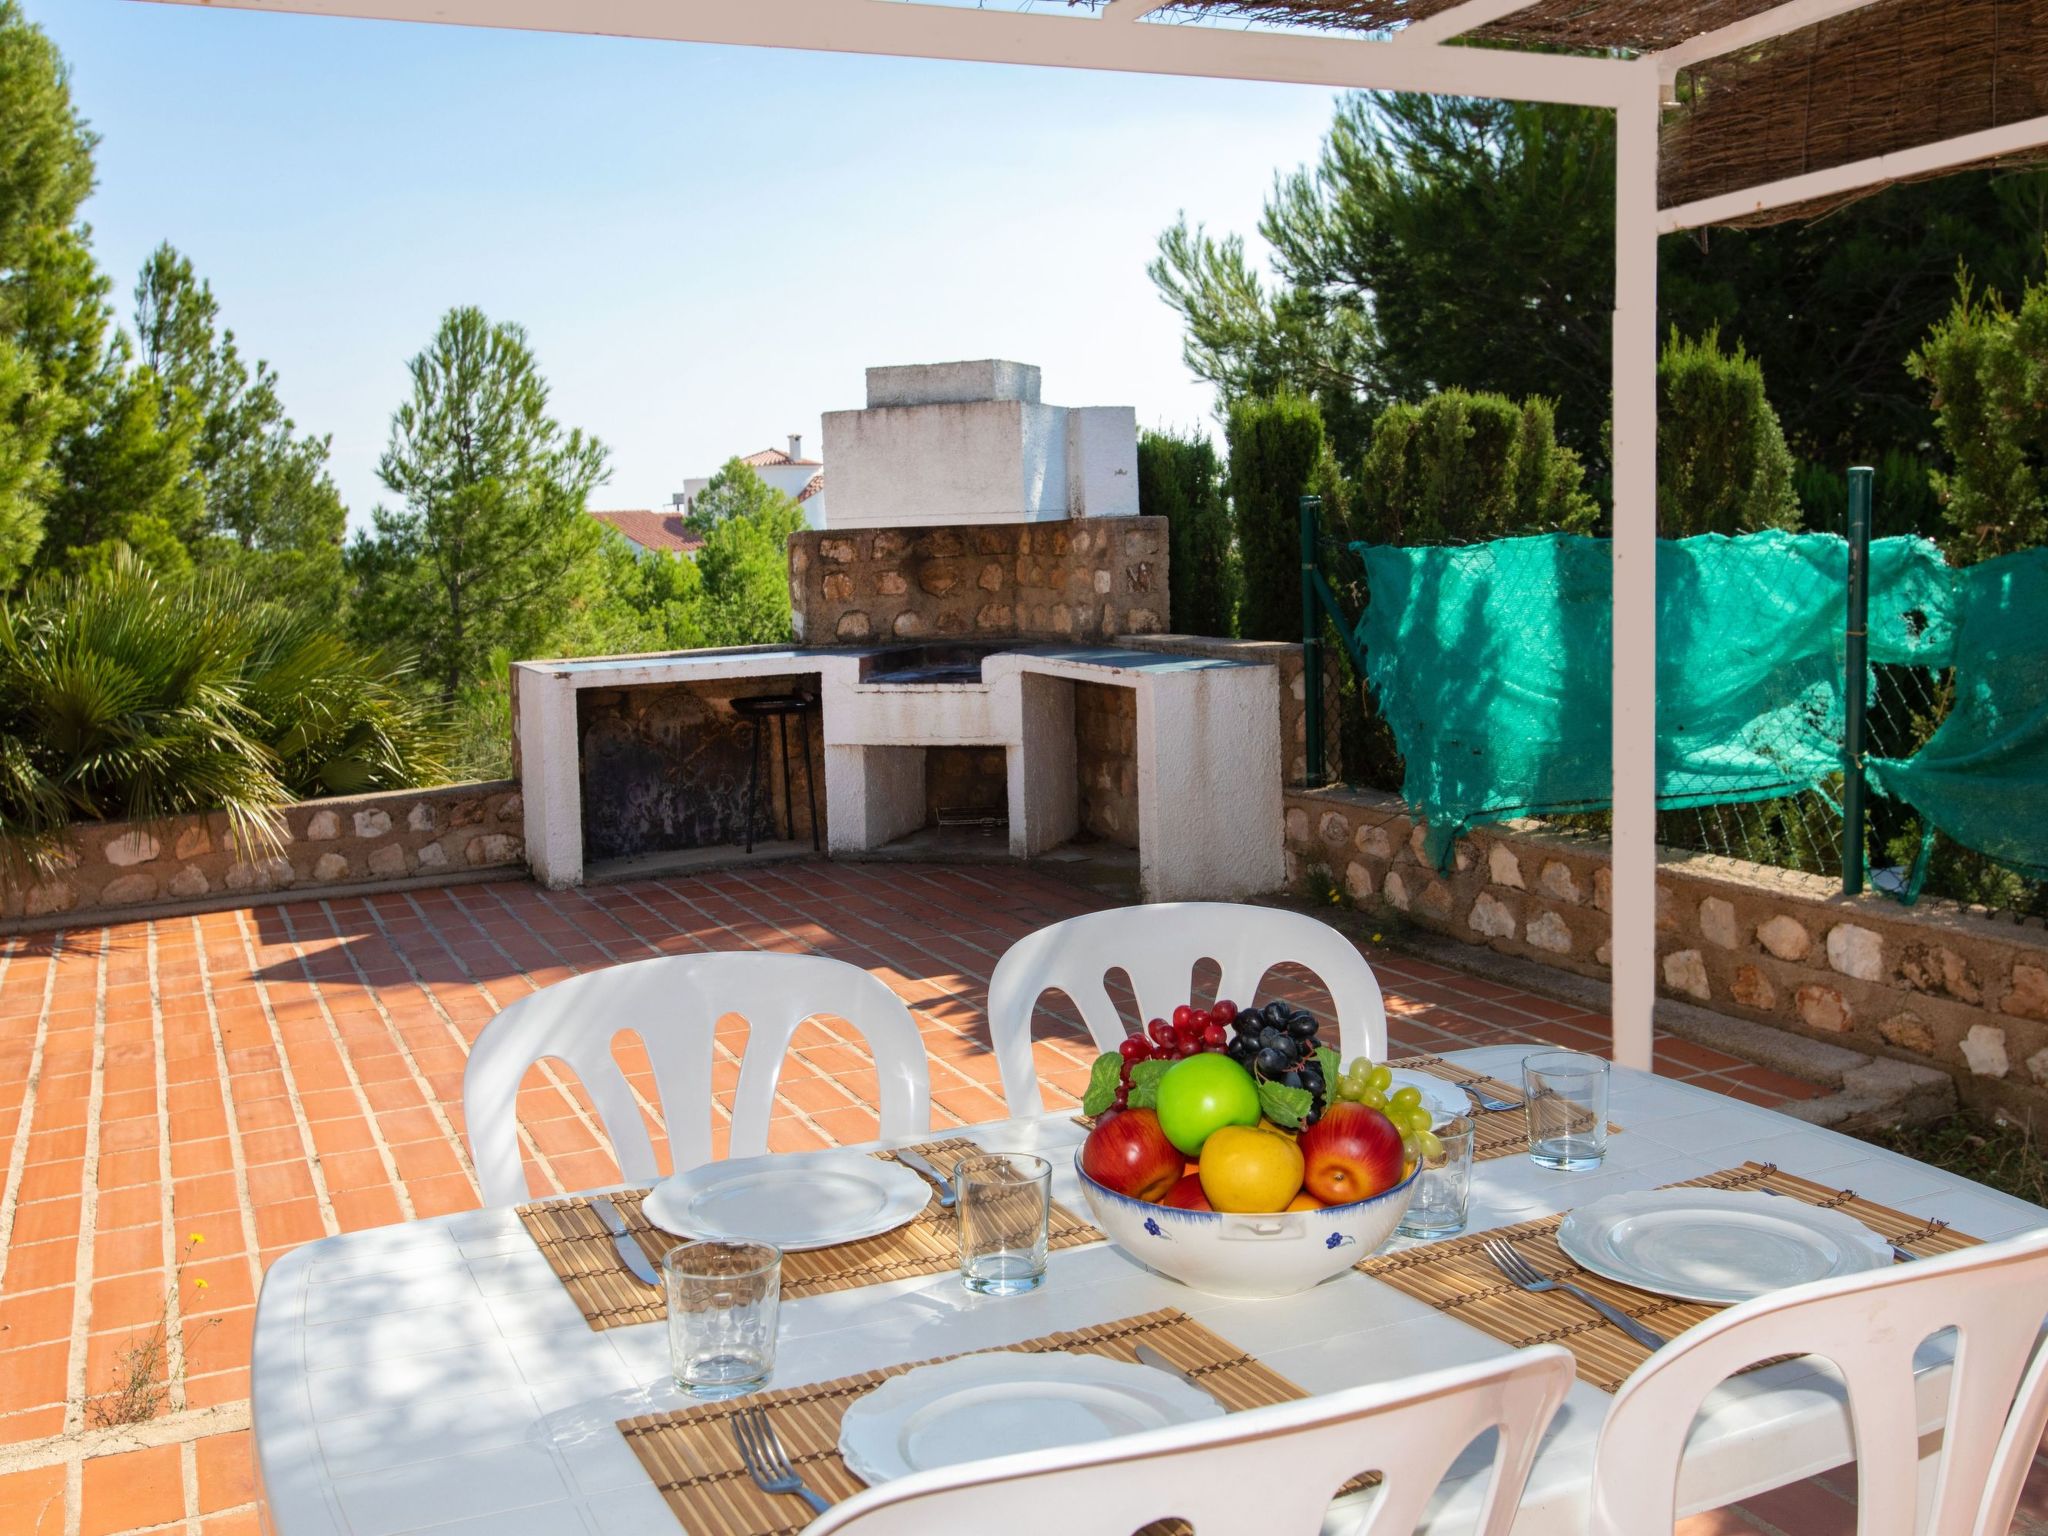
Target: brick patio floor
(185, 1099)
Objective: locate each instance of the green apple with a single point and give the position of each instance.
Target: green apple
(1200, 1095)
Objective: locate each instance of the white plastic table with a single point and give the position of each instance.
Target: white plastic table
(436, 1376)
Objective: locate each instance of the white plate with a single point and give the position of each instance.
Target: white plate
(1443, 1099)
(1003, 1402)
(794, 1200)
(1717, 1244)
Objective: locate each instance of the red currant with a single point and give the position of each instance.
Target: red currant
(1224, 1012)
(1160, 1031)
(1122, 1099)
(1201, 1021)
(1134, 1048)
(1215, 1037)
(1183, 1016)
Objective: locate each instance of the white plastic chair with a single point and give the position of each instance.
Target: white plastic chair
(1868, 1326)
(1158, 946)
(1263, 1472)
(674, 1002)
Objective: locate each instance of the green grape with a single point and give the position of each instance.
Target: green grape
(1351, 1086)
(1405, 1097)
(1409, 1147)
(1381, 1078)
(1372, 1098)
(1360, 1067)
(1420, 1120)
(1427, 1144)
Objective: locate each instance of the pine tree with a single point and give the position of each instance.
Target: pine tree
(490, 543)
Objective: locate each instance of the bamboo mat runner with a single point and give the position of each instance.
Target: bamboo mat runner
(693, 1459)
(1496, 1132)
(1455, 1276)
(580, 1251)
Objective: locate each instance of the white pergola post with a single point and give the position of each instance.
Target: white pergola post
(1633, 936)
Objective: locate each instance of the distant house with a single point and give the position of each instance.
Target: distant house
(799, 478)
(663, 531)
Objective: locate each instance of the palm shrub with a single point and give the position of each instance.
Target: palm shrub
(123, 697)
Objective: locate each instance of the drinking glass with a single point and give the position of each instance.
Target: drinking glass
(1443, 1184)
(723, 1299)
(1567, 1104)
(1004, 1206)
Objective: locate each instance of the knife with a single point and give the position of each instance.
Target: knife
(1147, 1355)
(918, 1161)
(629, 1250)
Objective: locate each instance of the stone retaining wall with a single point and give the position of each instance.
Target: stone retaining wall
(1082, 579)
(1930, 983)
(328, 845)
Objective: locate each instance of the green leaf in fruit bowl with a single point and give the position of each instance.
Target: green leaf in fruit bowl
(1288, 1108)
(1332, 1065)
(1145, 1077)
(1102, 1080)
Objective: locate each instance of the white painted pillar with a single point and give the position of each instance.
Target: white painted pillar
(549, 780)
(1634, 935)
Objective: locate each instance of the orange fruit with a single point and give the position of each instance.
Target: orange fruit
(1247, 1169)
(1304, 1202)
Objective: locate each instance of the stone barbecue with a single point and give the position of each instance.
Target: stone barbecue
(959, 622)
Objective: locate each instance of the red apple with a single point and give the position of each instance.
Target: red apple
(1129, 1153)
(1352, 1153)
(1187, 1194)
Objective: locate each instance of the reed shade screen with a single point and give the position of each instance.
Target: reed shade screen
(1455, 1277)
(693, 1459)
(1887, 77)
(582, 1255)
(1495, 1132)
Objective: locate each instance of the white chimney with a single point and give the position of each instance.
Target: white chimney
(796, 445)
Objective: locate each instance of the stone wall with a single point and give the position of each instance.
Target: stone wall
(665, 768)
(1106, 758)
(1085, 579)
(1929, 983)
(430, 834)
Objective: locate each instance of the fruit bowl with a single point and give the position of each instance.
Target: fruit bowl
(1242, 1255)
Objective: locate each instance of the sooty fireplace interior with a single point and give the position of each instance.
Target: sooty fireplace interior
(983, 553)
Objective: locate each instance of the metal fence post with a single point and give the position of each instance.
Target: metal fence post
(1311, 645)
(1856, 691)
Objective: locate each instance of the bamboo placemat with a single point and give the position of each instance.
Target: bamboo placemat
(580, 1251)
(693, 1459)
(1455, 1276)
(1495, 1132)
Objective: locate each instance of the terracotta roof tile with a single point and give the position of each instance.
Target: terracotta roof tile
(812, 487)
(653, 530)
(769, 458)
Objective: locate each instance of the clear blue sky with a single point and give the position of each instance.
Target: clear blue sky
(707, 245)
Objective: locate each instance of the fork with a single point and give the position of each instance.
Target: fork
(1521, 1273)
(766, 1461)
(1485, 1101)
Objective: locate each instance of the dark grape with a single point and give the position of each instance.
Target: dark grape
(1272, 1061)
(1271, 1036)
(1274, 1015)
(1312, 1079)
(1302, 1027)
(1291, 1079)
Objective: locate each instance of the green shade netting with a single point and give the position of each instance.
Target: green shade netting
(1492, 664)
(1983, 776)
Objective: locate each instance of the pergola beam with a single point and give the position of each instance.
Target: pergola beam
(1448, 24)
(1942, 155)
(1793, 16)
(910, 30)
